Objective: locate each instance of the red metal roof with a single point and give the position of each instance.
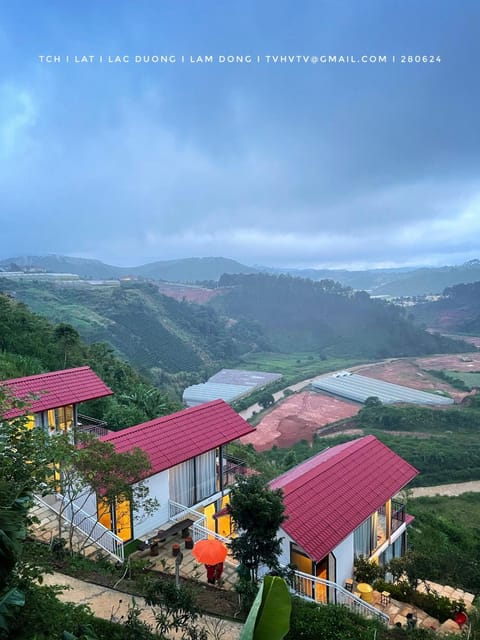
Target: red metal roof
(331, 494)
(173, 439)
(56, 389)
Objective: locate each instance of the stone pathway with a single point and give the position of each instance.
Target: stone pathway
(189, 567)
(398, 611)
(111, 604)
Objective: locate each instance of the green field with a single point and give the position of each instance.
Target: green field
(295, 366)
(450, 526)
(470, 378)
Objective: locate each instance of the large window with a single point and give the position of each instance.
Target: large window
(205, 474)
(372, 533)
(59, 419)
(193, 480)
(362, 539)
(181, 483)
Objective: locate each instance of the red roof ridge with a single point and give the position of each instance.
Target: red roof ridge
(37, 376)
(45, 391)
(328, 458)
(161, 419)
(173, 439)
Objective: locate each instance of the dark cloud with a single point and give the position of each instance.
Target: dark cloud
(320, 164)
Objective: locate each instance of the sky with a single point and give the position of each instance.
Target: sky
(316, 159)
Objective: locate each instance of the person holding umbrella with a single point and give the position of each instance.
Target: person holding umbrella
(212, 553)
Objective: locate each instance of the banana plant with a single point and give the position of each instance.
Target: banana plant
(269, 617)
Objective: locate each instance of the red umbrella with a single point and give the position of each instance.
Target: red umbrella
(210, 551)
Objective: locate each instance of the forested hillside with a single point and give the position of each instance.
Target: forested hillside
(457, 311)
(160, 336)
(299, 314)
(30, 344)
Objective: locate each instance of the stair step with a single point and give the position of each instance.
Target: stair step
(46, 528)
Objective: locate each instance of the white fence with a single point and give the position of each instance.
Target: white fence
(321, 591)
(88, 527)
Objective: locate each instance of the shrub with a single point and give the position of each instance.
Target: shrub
(439, 607)
(309, 621)
(365, 570)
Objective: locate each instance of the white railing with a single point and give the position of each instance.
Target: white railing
(200, 532)
(88, 526)
(177, 511)
(323, 591)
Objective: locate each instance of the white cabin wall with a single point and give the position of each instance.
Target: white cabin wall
(158, 488)
(344, 560)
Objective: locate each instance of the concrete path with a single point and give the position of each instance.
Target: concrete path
(110, 604)
(447, 489)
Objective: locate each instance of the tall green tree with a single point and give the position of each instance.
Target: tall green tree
(258, 512)
(68, 340)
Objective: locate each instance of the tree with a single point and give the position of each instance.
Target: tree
(68, 338)
(94, 472)
(372, 402)
(258, 512)
(266, 400)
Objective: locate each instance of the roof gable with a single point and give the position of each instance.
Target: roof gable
(175, 438)
(56, 389)
(331, 494)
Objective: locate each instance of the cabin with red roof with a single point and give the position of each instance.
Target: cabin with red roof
(189, 467)
(340, 504)
(51, 399)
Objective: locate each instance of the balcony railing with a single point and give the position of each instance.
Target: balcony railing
(398, 514)
(232, 466)
(87, 424)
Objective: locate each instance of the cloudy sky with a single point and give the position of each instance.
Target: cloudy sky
(303, 163)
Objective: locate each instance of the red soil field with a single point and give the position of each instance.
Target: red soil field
(460, 362)
(180, 292)
(411, 373)
(298, 418)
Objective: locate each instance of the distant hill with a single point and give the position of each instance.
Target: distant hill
(191, 269)
(367, 280)
(407, 281)
(431, 280)
(83, 267)
(457, 311)
(298, 314)
(157, 334)
(184, 270)
(30, 344)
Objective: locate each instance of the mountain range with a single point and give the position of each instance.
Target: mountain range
(387, 282)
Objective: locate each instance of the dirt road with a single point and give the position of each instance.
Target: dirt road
(447, 489)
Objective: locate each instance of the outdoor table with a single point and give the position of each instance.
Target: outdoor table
(366, 591)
